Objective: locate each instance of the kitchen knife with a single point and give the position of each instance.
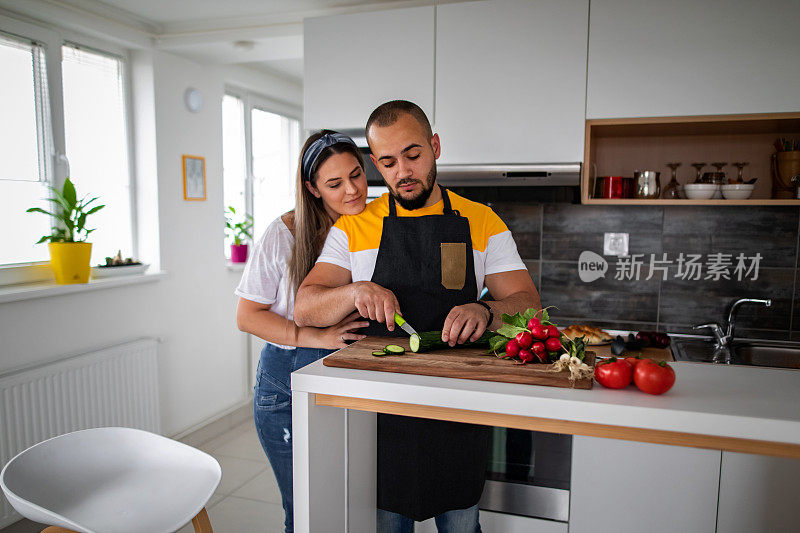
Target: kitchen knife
(405, 326)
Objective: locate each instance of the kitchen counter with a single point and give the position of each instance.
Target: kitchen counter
(733, 408)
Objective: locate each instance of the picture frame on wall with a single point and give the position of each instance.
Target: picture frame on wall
(194, 178)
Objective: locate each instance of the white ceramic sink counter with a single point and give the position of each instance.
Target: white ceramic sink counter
(718, 400)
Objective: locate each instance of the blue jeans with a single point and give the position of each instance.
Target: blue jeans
(456, 521)
(272, 413)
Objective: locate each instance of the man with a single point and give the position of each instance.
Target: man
(426, 254)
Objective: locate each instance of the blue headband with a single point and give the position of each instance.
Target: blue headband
(316, 148)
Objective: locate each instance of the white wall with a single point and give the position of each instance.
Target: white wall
(203, 359)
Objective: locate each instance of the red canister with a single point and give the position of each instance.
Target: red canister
(615, 187)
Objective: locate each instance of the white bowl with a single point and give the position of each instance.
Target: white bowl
(737, 191)
(700, 191)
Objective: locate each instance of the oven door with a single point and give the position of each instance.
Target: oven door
(528, 474)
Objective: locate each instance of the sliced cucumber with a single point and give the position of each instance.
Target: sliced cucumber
(414, 341)
(393, 349)
(379, 354)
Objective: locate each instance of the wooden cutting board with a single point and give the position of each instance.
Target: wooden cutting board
(464, 363)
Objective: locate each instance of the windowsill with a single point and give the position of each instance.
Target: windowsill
(236, 267)
(29, 291)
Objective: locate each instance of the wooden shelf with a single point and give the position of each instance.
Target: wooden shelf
(617, 147)
(749, 201)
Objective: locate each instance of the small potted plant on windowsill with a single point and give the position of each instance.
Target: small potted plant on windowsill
(239, 232)
(70, 254)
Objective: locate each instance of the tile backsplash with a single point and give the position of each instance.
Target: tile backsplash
(551, 234)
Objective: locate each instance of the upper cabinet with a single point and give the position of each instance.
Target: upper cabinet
(354, 63)
(651, 58)
(511, 81)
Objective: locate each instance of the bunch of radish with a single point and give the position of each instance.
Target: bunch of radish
(533, 339)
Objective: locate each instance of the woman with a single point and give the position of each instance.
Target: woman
(330, 182)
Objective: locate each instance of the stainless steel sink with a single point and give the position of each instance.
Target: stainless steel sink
(776, 354)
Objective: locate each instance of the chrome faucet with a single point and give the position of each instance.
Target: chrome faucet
(723, 340)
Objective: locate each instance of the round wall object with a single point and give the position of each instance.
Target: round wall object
(193, 99)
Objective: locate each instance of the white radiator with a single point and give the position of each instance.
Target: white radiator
(114, 386)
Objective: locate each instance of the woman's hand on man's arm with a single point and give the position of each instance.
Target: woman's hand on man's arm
(257, 319)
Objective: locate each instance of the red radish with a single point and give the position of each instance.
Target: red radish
(540, 332)
(526, 356)
(552, 331)
(534, 322)
(538, 348)
(524, 339)
(553, 344)
(512, 348)
(542, 357)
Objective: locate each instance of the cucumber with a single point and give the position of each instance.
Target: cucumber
(393, 349)
(379, 354)
(432, 340)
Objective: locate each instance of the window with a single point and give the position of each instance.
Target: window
(259, 159)
(97, 145)
(74, 128)
(24, 167)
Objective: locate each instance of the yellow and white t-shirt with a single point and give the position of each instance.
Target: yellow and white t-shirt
(354, 240)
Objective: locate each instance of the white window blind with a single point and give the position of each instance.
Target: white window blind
(96, 140)
(234, 159)
(26, 140)
(276, 148)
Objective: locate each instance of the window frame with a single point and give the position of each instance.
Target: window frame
(52, 39)
(250, 101)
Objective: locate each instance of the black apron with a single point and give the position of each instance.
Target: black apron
(427, 467)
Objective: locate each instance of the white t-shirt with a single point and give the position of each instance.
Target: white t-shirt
(354, 240)
(265, 279)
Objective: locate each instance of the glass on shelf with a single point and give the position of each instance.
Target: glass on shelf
(739, 166)
(699, 168)
(672, 189)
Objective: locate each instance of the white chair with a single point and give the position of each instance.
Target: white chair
(112, 480)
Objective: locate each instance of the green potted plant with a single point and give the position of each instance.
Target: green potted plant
(70, 254)
(240, 232)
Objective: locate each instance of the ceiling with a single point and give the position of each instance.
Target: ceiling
(266, 35)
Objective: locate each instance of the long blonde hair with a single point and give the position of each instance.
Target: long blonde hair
(311, 221)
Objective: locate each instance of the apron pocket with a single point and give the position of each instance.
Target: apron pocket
(454, 265)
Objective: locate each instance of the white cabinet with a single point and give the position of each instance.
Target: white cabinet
(630, 487)
(511, 81)
(656, 58)
(758, 494)
(354, 63)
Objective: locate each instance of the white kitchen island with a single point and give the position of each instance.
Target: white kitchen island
(732, 410)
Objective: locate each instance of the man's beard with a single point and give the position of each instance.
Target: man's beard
(418, 201)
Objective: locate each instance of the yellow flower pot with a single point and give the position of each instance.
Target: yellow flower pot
(70, 261)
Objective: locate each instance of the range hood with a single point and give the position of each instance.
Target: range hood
(509, 175)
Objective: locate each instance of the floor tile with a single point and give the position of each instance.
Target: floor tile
(243, 446)
(236, 472)
(263, 487)
(23, 526)
(239, 515)
(220, 440)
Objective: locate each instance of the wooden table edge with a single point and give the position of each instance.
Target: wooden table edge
(549, 425)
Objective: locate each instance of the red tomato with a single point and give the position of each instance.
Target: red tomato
(553, 332)
(524, 339)
(652, 377)
(540, 332)
(553, 344)
(534, 322)
(512, 348)
(526, 355)
(613, 373)
(633, 361)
